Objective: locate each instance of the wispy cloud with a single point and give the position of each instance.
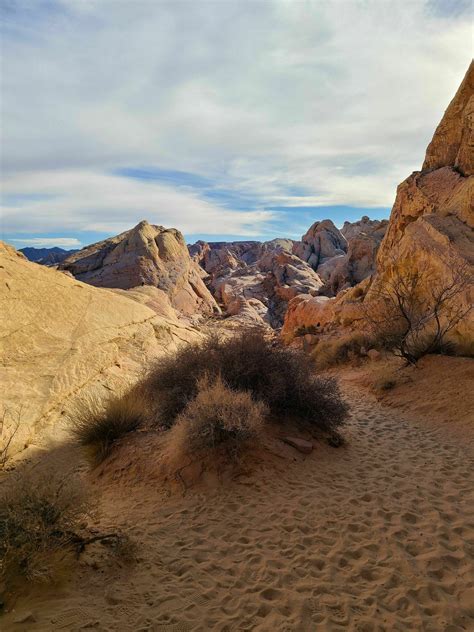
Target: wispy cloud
(49, 242)
(80, 200)
(202, 115)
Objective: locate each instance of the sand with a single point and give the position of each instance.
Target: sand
(375, 536)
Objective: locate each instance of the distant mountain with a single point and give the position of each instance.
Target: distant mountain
(46, 256)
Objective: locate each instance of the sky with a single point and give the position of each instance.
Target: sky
(226, 119)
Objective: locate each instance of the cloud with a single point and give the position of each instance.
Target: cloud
(49, 242)
(80, 200)
(334, 100)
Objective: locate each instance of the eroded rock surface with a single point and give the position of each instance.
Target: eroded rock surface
(145, 255)
(63, 340)
(254, 281)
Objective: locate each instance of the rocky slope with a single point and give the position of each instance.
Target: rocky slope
(145, 255)
(63, 340)
(430, 227)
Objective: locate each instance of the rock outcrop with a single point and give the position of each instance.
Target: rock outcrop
(254, 281)
(431, 227)
(63, 340)
(323, 241)
(145, 255)
(342, 258)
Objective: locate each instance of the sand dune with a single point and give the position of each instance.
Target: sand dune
(378, 535)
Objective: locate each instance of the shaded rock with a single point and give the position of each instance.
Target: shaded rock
(306, 447)
(25, 617)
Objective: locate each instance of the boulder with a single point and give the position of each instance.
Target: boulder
(453, 141)
(306, 447)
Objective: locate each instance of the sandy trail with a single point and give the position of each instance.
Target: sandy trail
(375, 536)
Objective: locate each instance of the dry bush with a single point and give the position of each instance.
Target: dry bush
(218, 417)
(415, 308)
(281, 377)
(8, 431)
(39, 519)
(334, 351)
(98, 428)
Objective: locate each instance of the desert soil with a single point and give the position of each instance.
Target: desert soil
(375, 536)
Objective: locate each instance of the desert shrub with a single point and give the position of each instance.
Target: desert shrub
(218, 417)
(43, 518)
(8, 431)
(414, 308)
(98, 427)
(281, 377)
(336, 351)
(39, 517)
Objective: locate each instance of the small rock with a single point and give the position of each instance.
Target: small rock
(374, 354)
(306, 447)
(25, 617)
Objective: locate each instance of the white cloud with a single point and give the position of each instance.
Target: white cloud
(87, 201)
(49, 242)
(339, 99)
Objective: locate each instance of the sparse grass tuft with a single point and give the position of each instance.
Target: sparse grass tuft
(342, 349)
(98, 428)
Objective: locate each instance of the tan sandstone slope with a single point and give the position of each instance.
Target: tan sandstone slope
(431, 224)
(62, 339)
(145, 255)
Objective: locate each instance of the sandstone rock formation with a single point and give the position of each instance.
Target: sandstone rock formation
(374, 227)
(342, 258)
(430, 227)
(254, 281)
(322, 242)
(63, 339)
(145, 255)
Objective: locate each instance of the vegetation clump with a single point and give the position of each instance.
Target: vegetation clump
(40, 516)
(341, 349)
(218, 417)
(98, 428)
(43, 518)
(280, 377)
(414, 309)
